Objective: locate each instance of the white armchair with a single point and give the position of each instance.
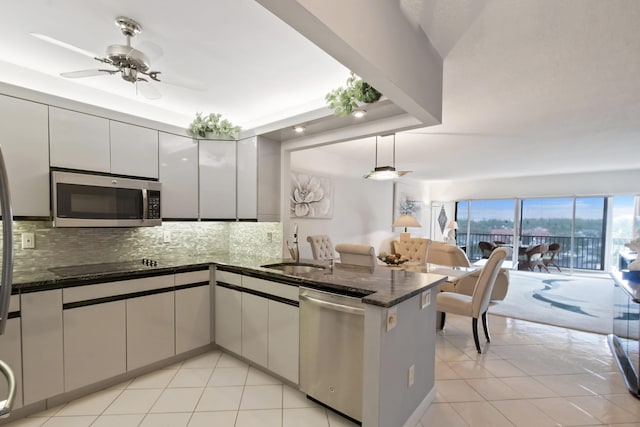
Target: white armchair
(321, 246)
(355, 254)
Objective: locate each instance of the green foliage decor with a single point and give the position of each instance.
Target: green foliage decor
(212, 125)
(344, 100)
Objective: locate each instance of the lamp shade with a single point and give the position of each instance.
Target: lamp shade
(406, 221)
(452, 225)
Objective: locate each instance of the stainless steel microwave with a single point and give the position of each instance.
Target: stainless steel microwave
(83, 200)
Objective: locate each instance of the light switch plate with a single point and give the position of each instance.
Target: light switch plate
(28, 241)
(425, 298)
(166, 236)
(392, 318)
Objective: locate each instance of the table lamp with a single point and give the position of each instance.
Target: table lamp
(451, 235)
(406, 221)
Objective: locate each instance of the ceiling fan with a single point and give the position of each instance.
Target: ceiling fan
(132, 64)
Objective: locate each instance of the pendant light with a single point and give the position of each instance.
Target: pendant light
(386, 172)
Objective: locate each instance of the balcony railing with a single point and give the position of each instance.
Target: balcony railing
(588, 252)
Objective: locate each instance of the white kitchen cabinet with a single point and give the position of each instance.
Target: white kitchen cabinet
(11, 351)
(217, 161)
(228, 319)
(179, 176)
(150, 329)
(283, 340)
(24, 138)
(248, 178)
(258, 179)
(11, 354)
(255, 317)
(42, 349)
(134, 150)
(94, 343)
(193, 311)
(268, 179)
(78, 141)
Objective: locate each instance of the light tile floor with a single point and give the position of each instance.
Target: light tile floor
(530, 375)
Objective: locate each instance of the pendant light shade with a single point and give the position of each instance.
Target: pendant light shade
(386, 172)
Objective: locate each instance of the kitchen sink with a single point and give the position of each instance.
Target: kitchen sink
(295, 267)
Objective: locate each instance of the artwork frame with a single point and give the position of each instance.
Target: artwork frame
(407, 199)
(310, 195)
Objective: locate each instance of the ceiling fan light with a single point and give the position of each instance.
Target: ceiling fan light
(382, 173)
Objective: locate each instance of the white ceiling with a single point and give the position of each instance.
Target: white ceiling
(530, 87)
(256, 69)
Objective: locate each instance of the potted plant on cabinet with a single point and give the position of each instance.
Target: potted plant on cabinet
(345, 100)
(211, 125)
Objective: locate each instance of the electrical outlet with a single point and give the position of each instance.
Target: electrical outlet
(269, 237)
(167, 236)
(411, 377)
(392, 318)
(425, 298)
(28, 241)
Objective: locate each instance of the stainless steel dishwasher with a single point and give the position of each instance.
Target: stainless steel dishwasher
(331, 350)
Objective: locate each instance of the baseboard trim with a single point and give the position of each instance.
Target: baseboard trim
(412, 421)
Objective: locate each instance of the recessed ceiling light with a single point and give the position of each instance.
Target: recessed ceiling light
(359, 113)
(298, 129)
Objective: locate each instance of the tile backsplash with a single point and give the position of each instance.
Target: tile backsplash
(73, 246)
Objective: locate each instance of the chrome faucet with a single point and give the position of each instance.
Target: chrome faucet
(295, 251)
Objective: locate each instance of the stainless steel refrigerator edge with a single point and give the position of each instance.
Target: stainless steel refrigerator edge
(7, 278)
(332, 350)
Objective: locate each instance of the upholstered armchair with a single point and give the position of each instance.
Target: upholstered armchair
(321, 247)
(355, 254)
(466, 285)
(413, 248)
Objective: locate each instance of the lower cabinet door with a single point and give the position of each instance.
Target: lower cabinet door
(255, 316)
(42, 348)
(94, 343)
(283, 340)
(11, 354)
(193, 318)
(228, 319)
(150, 329)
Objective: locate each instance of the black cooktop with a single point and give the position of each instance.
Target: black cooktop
(103, 268)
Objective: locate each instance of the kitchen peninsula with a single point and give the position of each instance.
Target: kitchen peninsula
(399, 325)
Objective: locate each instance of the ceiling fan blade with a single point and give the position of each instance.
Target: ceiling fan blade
(147, 90)
(65, 45)
(87, 73)
(151, 49)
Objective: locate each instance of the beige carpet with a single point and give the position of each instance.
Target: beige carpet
(573, 301)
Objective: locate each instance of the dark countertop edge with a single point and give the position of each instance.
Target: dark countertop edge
(368, 297)
(70, 282)
(371, 299)
(632, 288)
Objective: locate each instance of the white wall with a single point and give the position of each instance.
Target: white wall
(362, 211)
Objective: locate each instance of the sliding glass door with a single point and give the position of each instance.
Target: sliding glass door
(577, 224)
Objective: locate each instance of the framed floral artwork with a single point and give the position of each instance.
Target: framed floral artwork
(407, 201)
(311, 196)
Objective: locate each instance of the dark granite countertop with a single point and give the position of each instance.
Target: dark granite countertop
(382, 286)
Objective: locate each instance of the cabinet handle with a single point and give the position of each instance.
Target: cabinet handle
(7, 245)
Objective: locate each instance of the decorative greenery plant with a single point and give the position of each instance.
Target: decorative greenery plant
(344, 100)
(212, 125)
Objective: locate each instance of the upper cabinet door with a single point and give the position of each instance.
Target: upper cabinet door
(179, 176)
(217, 179)
(78, 141)
(248, 178)
(24, 138)
(134, 150)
